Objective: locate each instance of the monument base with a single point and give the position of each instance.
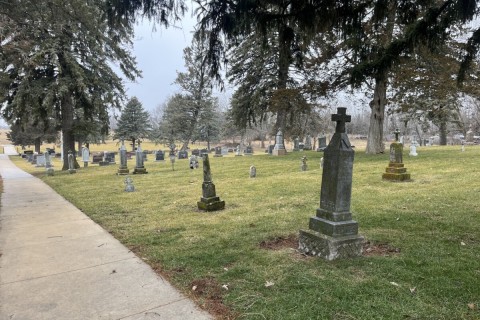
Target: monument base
(396, 172)
(139, 171)
(72, 171)
(50, 172)
(123, 171)
(211, 204)
(279, 152)
(104, 163)
(217, 155)
(330, 248)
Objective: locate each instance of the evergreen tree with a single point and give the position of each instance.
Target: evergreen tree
(56, 64)
(134, 123)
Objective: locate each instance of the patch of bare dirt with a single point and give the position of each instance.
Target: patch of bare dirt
(209, 293)
(379, 249)
(279, 243)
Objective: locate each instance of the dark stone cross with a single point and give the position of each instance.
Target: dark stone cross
(397, 133)
(341, 118)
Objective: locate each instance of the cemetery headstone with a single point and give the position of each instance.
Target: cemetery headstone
(209, 200)
(85, 156)
(71, 163)
(129, 187)
(253, 171)
(238, 151)
(224, 151)
(322, 143)
(145, 153)
(48, 165)
(279, 148)
(396, 170)
(196, 152)
(332, 233)
(413, 150)
(296, 144)
(34, 159)
(159, 155)
(203, 152)
(40, 160)
(248, 151)
(304, 166)
(183, 154)
(193, 162)
(218, 152)
(321, 162)
(308, 143)
(270, 148)
(139, 166)
(97, 157)
(123, 169)
(463, 146)
(172, 157)
(110, 157)
(301, 146)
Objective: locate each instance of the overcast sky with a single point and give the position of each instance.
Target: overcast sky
(159, 55)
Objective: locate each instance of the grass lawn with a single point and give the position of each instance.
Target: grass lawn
(422, 260)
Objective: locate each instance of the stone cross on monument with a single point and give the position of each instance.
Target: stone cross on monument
(332, 233)
(397, 133)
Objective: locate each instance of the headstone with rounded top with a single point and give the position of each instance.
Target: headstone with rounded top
(332, 233)
(123, 169)
(253, 171)
(71, 163)
(85, 156)
(139, 158)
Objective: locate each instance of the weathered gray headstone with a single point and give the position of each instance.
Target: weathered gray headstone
(279, 148)
(71, 163)
(209, 200)
(123, 169)
(296, 144)
(85, 156)
(159, 155)
(48, 164)
(308, 143)
(270, 148)
(304, 166)
(193, 162)
(218, 152)
(332, 233)
(183, 154)
(97, 157)
(413, 150)
(129, 187)
(224, 151)
(40, 160)
(248, 151)
(322, 143)
(139, 166)
(253, 171)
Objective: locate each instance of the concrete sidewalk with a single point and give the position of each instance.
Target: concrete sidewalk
(56, 263)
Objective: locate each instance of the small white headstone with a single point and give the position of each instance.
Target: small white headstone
(413, 150)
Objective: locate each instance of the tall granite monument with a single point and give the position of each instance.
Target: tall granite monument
(279, 148)
(209, 200)
(139, 158)
(332, 233)
(123, 169)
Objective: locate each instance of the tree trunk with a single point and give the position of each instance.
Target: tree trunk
(443, 131)
(284, 59)
(38, 143)
(375, 142)
(67, 131)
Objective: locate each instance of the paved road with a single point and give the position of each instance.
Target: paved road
(56, 263)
